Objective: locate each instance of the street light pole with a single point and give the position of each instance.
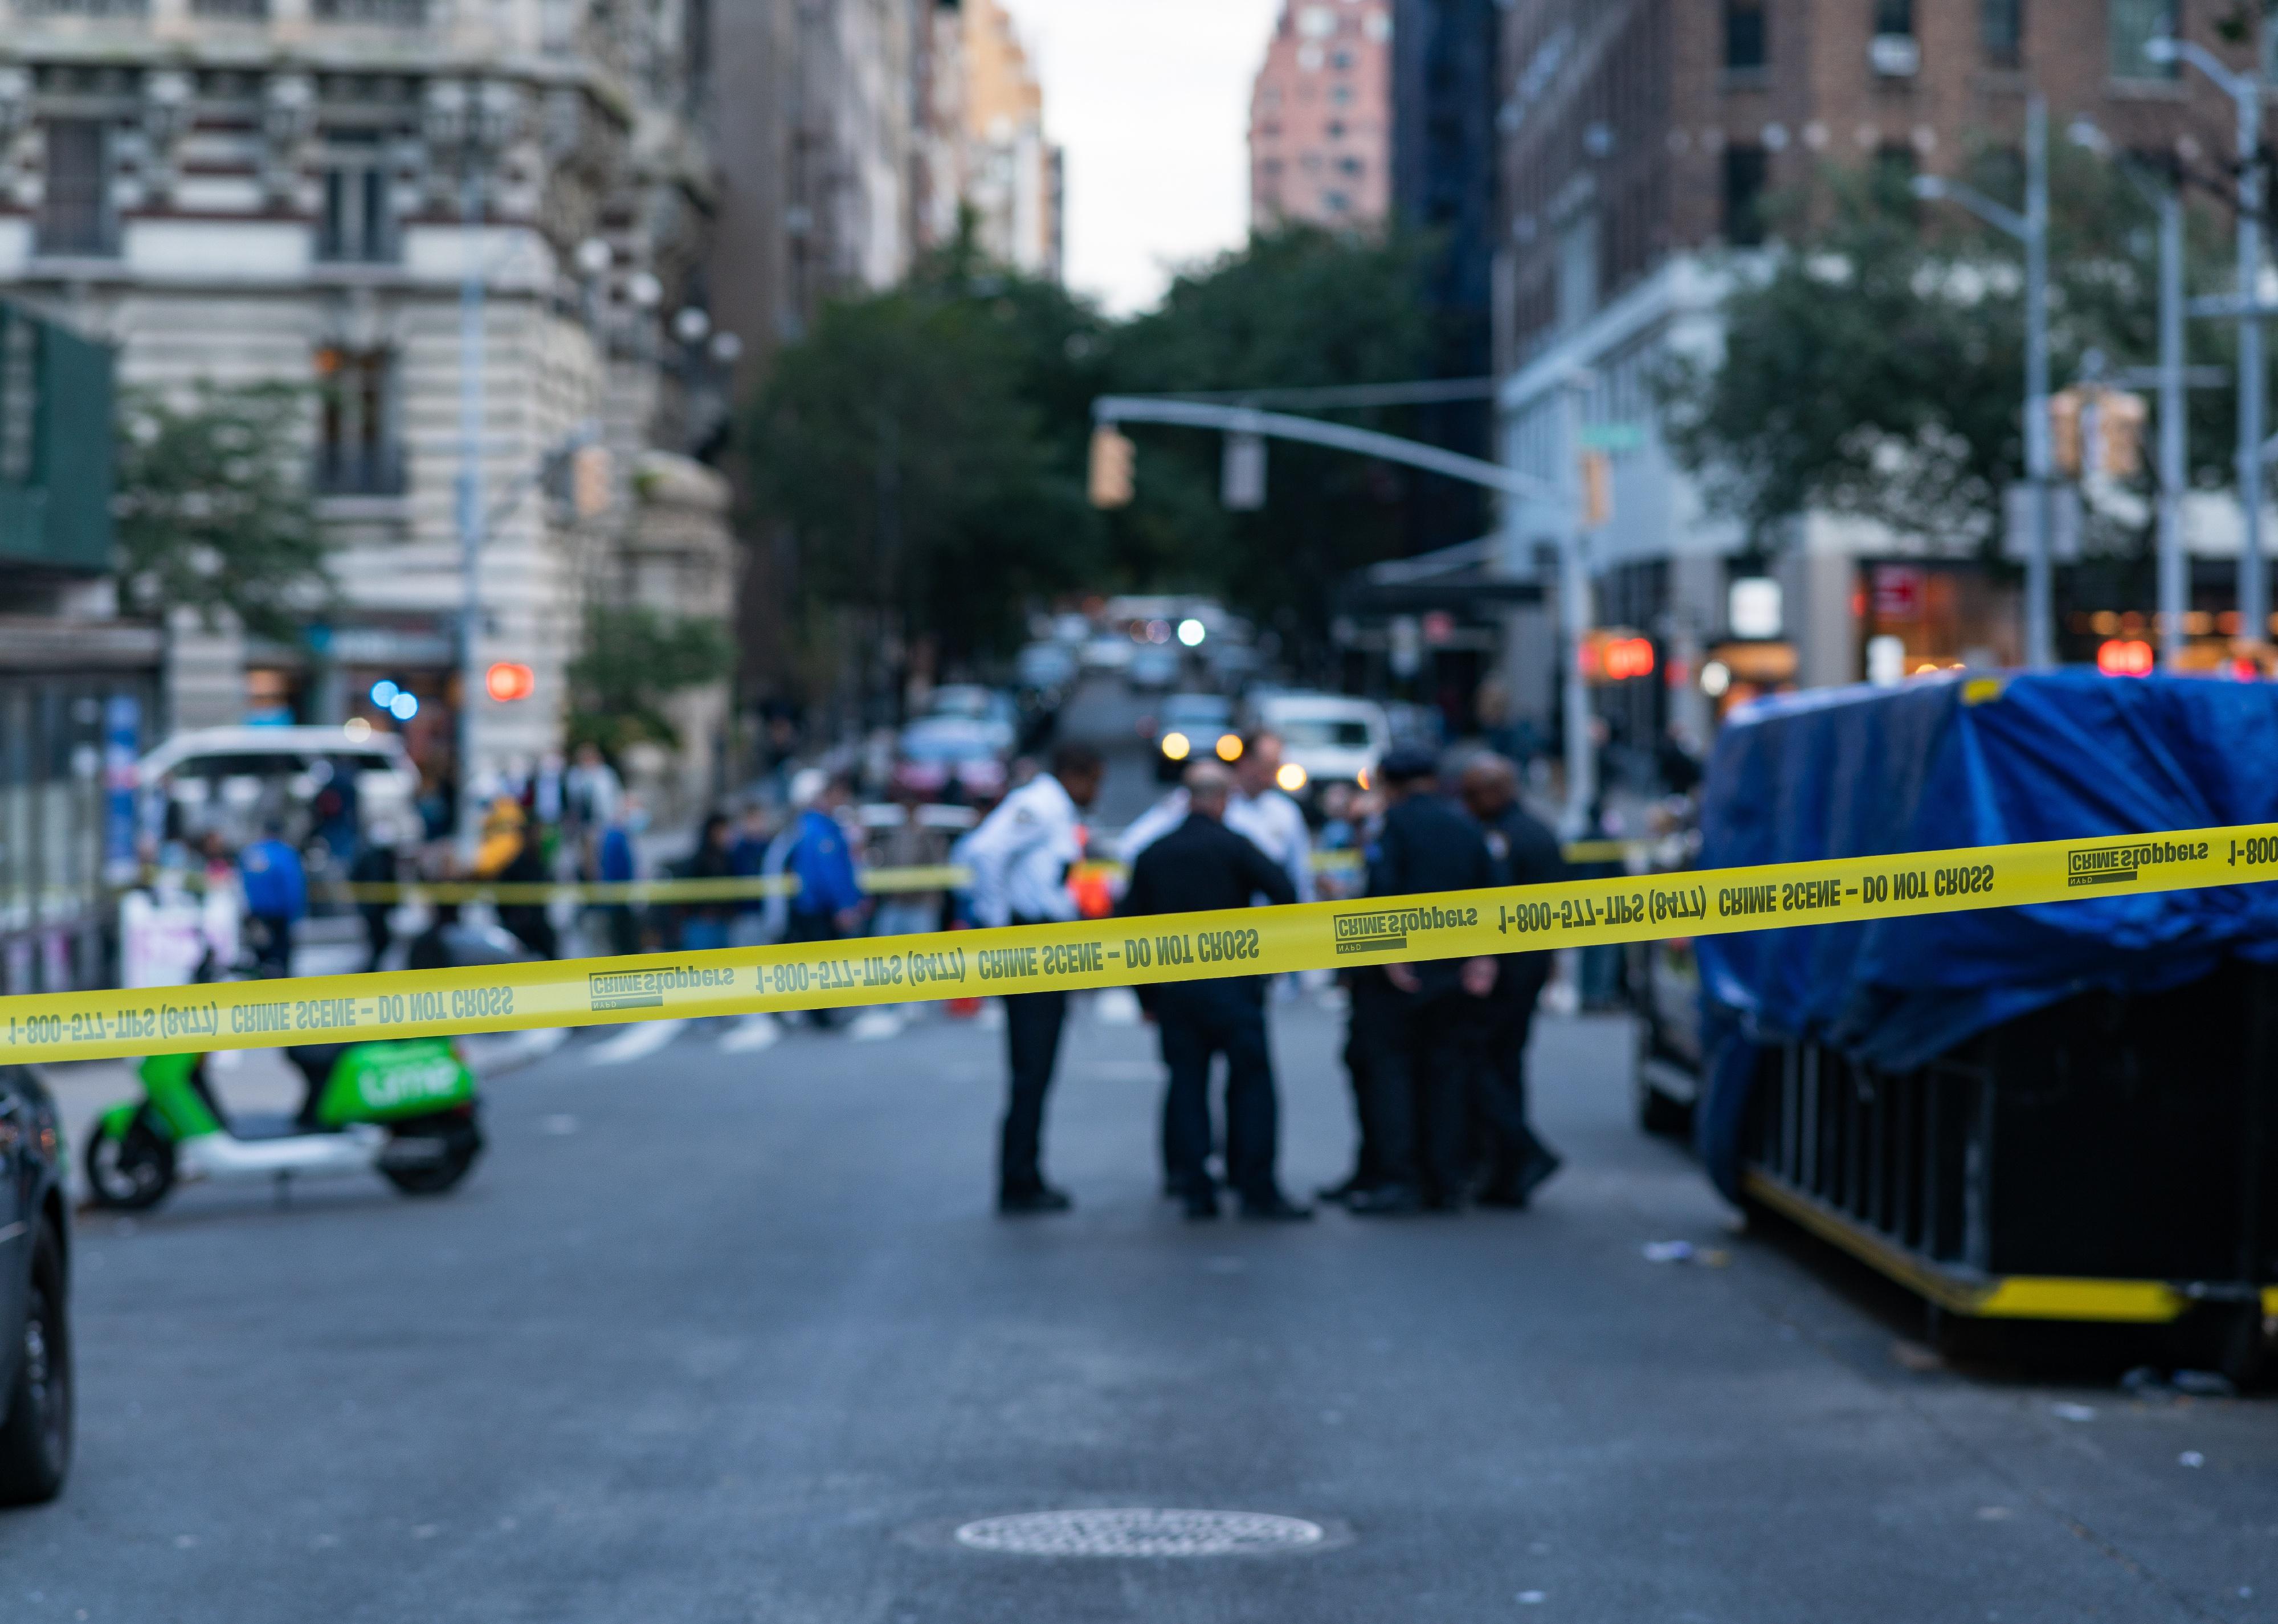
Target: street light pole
(2175, 590)
(2040, 571)
(469, 485)
(2031, 228)
(1576, 614)
(2245, 93)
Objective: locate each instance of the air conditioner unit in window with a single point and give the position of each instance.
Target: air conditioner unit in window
(1895, 56)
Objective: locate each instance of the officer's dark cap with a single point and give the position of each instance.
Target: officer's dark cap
(1406, 764)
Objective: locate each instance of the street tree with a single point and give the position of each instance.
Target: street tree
(634, 660)
(1296, 307)
(1872, 362)
(213, 507)
(923, 447)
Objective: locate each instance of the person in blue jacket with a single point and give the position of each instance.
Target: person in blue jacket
(276, 897)
(829, 903)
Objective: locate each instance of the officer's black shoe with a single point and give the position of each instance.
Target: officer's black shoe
(1202, 1203)
(1536, 1173)
(1386, 1201)
(1040, 1199)
(1345, 1191)
(1275, 1206)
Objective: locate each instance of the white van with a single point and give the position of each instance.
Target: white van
(231, 778)
(1333, 738)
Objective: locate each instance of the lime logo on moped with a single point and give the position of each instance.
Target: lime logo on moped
(382, 1087)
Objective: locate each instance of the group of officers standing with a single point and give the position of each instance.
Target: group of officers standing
(1436, 1050)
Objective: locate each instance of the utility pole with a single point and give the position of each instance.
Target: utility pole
(2245, 93)
(2175, 590)
(1576, 614)
(470, 480)
(2031, 228)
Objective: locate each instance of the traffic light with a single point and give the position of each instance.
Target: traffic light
(2116, 445)
(1241, 474)
(1615, 654)
(2124, 656)
(1597, 489)
(2064, 428)
(1112, 459)
(589, 481)
(507, 680)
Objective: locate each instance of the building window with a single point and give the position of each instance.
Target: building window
(1894, 16)
(2001, 26)
(1350, 167)
(1334, 203)
(386, 13)
(1336, 130)
(232, 10)
(2129, 23)
(1578, 270)
(358, 225)
(356, 453)
(1745, 44)
(1744, 195)
(75, 209)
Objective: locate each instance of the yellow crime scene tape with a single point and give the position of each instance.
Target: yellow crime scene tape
(1108, 952)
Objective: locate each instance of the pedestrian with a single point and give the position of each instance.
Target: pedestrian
(378, 863)
(1526, 852)
(617, 862)
(1414, 1022)
(508, 856)
(704, 920)
(1019, 857)
(592, 793)
(909, 844)
(1256, 808)
(276, 888)
(1200, 867)
(827, 906)
(747, 858)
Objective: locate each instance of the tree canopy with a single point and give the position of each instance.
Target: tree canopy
(214, 512)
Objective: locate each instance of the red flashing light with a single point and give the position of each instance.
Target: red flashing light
(2124, 656)
(509, 681)
(1628, 656)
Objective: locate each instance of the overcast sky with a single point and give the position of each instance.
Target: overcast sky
(1152, 103)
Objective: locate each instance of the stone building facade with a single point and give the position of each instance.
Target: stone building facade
(362, 197)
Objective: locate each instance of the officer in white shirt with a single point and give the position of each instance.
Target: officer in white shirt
(1020, 856)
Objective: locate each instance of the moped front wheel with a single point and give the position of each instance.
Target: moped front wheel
(131, 1171)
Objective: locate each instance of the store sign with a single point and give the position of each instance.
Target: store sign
(1898, 593)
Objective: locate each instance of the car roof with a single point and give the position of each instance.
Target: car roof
(246, 740)
(1321, 704)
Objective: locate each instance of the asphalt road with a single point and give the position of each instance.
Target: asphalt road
(718, 1335)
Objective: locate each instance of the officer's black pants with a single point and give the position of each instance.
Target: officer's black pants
(1418, 1049)
(1499, 1075)
(1198, 1020)
(1032, 1044)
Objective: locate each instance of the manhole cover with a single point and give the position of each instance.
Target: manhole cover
(1141, 1532)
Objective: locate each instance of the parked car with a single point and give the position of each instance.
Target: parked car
(986, 706)
(230, 779)
(1153, 667)
(35, 1343)
(1329, 737)
(944, 755)
(1189, 727)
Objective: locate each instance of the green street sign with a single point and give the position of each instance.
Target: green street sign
(1613, 436)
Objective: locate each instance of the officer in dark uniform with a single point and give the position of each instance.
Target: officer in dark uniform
(1203, 866)
(1525, 853)
(1417, 1022)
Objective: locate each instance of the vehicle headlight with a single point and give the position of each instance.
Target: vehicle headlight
(1176, 745)
(1291, 777)
(1229, 747)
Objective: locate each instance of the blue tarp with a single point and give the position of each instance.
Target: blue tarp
(1981, 762)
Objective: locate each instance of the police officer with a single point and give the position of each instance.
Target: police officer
(1525, 853)
(1414, 1022)
(1204, 866)
(1019, 857)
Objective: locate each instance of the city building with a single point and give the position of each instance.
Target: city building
(1444, 94)
(982, 152)
(477, 234)
(1320, 116)
(1640, 141)
(79, 687)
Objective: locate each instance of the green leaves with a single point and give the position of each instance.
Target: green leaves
(635, 659)
(213, 507)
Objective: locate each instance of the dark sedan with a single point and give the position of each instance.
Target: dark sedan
(35, 1363)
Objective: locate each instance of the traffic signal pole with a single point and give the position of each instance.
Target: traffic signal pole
(1563, 495)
